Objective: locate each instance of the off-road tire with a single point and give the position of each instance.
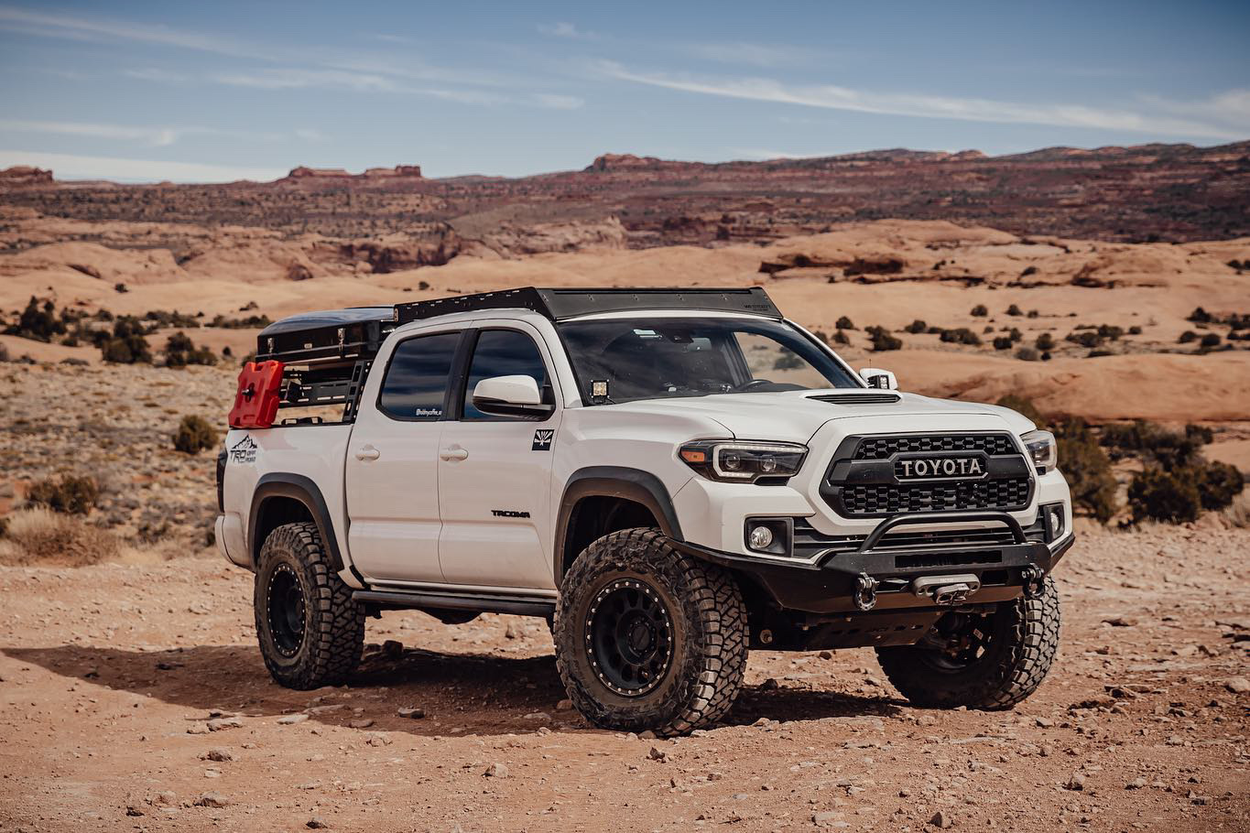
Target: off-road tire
(1023, 643)
(708, 635)
(333, 634)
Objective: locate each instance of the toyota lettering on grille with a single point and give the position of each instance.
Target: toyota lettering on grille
(932, 468)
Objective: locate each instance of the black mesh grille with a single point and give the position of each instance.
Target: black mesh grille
(999, 492)
(877, 448)
(938, 497)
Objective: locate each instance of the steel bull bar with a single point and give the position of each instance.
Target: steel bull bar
(881, 576)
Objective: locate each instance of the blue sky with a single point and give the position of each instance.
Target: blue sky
(216, 91)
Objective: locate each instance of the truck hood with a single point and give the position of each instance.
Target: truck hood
(794, 416)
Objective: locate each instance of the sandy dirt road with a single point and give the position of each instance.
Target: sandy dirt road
(132, 697)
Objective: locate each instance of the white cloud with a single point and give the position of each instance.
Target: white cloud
(70, 166)
(932, 106)
(752, 54)
(292, 79)
(155, 136)
(565, 30)
(162, 76)
(57, 25)
(765, 155)
(553, 101)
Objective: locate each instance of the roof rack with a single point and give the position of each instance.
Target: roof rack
(561, 304)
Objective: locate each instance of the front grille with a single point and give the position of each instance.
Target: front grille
(865, 479)
(877, 448)
(937, 497)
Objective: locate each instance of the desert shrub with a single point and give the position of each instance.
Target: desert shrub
(882, 340)
(1023, 406)
(127, 345)
(195, 434)
(961, 335)
(916, 327)
(1218, 484)
(1199, 316)
(844, 323)
(840, 337)
(980, 311)
(1110, 331)
(1045, 342)
(1087, 469)
(181, 351)
(4, 353)
(1158, 495)
(250, 322)
(70, 495)
(1187, 336)
(989, 328)
(1134, 330)
(1085, 338)
(37, 322)
(120, 288)
(1028, 270)
(1014, 310)
(168, 318)
(1002, 343)
(1209, 340)
(40, 536)
(423, 285)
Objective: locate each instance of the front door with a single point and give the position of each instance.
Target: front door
(495, 472)
(392, 464)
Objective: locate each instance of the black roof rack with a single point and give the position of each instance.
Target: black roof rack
(560, 304)
(336, 336)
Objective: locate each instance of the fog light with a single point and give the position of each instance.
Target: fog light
(1056, 522)
(761, 538)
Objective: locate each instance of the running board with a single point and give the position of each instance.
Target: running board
(482, 603)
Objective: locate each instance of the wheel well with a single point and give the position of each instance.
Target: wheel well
(596, 516)
(275, 512)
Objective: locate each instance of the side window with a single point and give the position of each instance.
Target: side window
(415, 386)
(502, 353)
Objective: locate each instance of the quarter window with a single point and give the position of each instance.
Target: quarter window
(415, 387)
(502, 353)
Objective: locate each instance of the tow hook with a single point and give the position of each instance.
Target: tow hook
(1034, 581)
(947, 590)
(865, 594)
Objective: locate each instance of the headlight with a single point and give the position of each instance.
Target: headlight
(742, 462)
(1042, 449)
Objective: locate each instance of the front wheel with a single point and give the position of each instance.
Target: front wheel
(649, 638)
(311, 631)
(983, 661)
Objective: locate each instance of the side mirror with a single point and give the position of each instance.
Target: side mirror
(878, 378)
(511, 396)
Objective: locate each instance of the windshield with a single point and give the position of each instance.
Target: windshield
(668, 357)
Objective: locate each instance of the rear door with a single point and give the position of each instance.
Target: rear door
(392, 462)
(495, 472)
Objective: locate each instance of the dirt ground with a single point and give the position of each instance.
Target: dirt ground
(132, 697)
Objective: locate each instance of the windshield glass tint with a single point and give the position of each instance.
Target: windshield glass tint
(666, 357)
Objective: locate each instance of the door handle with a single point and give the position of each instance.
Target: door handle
(454, 453)
(367, 452)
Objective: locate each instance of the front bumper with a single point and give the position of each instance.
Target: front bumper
(832, 582)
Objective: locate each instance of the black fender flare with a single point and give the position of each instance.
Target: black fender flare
(635, 485)
(300, 488)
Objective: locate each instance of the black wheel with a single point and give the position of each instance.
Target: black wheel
(982, 661)
(311, 632)
(649, 638)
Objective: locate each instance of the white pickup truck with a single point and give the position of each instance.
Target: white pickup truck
(670, 477)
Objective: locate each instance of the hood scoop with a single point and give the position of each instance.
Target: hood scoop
(859, 398)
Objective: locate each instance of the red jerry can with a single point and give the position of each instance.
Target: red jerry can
(260, 389)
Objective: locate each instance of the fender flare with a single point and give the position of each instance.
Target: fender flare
(636, 485)
(300, 488)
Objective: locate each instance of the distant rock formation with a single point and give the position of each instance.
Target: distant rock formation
(25, 175)
(305, 172)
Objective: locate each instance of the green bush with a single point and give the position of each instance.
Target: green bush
(961, 335)
(916, 327)
(980, 311)
(1158, 495)
(844, 323)
(1218, 484)
(1087, 469)
(1014, 310)
(70, 494)
(1154, 443)
(194, 435)
(1002, 343)
(1024, 407)
(1209, 340)
(128, 345)
(180, 351)
(882, 340)
(1045, 342)
(1187, 336)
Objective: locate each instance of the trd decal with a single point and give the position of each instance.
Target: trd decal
(509, 513)
(244, 451)
(542, 439)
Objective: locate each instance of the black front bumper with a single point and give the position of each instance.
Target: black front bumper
(828, 585)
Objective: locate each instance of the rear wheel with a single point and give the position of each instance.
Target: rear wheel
(649, 638)
(982, 661)
(311, 631)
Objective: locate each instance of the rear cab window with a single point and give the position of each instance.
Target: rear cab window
(416, 383)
